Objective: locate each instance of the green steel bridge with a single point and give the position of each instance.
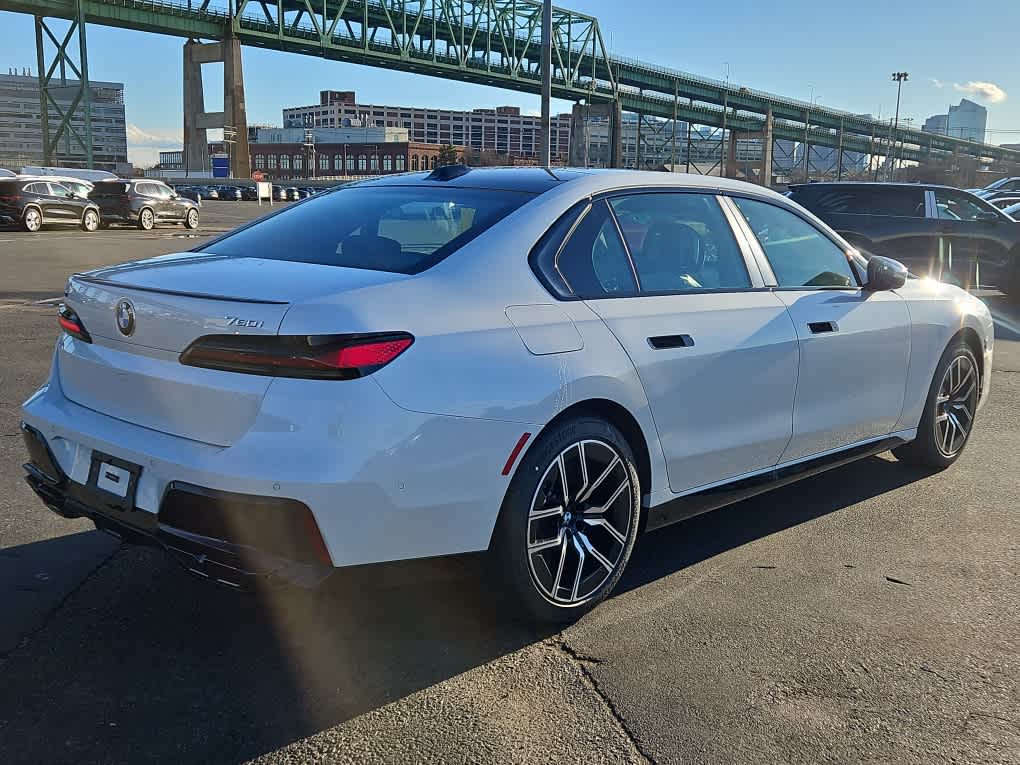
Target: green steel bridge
(498, 43)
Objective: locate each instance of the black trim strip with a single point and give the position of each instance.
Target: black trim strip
(178, 293)
(699, 502)
(662, 342)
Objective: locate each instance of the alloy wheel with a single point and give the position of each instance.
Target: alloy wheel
(147, 219)
(33, 220)
(579, 522)
(192, 219)
(955, 405)
(91, 221)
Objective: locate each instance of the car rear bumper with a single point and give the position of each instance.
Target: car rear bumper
(229, 538)
(382, 483)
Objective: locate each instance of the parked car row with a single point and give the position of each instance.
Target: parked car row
(937, 231)
(32, 202)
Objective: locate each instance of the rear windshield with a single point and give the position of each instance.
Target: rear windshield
(109, 189)
(402, 229)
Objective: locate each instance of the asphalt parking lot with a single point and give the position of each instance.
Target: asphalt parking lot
(870, 614)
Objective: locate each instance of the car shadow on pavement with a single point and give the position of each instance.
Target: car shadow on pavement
(676, 547)
(144, 663)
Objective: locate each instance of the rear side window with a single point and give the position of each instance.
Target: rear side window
(863, 200)
(800, 255)
(401, 229)
(593, 262)
(680, 242)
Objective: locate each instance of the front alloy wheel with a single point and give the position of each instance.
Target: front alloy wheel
(955, 405)
(569, 520)
(146, 220)
(191, 219)
(949, 410)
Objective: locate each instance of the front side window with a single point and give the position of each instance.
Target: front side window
(59, 190)
(401, 229)
(800, 255)
(680, 242)
(955, 205)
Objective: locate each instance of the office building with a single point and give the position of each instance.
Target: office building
(503, 130)
(936, 123)
(21, 125)
(966, 120)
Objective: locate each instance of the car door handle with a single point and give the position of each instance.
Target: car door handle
(662, 342)
(818, 327)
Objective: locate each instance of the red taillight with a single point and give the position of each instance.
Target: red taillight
(329, 357)
(8, 198)
(71, 324)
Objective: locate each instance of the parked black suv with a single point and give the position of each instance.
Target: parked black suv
(33, 202)
(935, 230)
(143, 202)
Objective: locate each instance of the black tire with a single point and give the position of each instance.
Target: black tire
(934, 431)
(32, 219)
(90, 220)
(528, 574)
(1012, 286)
(104, 224)
(146, 219)
(191, 219)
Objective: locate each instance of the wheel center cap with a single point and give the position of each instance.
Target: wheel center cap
(568, 518)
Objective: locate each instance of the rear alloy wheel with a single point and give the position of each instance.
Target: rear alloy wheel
(146, 219)
(32, 219)
(191, 219)
(90, 221)
(948, 417)
(569, 521)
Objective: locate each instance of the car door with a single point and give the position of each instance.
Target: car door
(715, 351)
(60, 204)
(72, 204)
(854, 343)
(974, 238)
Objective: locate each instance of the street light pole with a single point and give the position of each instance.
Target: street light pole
(546, 132)
(899, 78)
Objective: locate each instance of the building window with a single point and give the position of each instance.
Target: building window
(260, 162)
(362, 163)
(432, 162)
(387, 163)
(272, 161)
(401, 163)
(324, 162)
(350, 161)
(375, 162)
(298, 162)
(285, 161)
(414, 161)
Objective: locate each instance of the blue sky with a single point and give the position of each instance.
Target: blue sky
(800, 48)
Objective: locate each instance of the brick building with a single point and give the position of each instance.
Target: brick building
(279, 161)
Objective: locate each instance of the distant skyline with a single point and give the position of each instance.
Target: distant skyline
(798, 49)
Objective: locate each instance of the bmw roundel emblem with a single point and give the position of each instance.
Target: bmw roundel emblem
(125, 317)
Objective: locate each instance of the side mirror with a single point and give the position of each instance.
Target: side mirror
(987, 216)
(885, 274)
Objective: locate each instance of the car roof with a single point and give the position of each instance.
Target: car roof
(867, 184)
(537, 180)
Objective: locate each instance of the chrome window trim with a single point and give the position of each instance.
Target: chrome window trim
(931, 210)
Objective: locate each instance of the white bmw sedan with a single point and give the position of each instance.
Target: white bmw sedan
(539, 363)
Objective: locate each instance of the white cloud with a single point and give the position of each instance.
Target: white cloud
(937, 82)
(987, 91)
(144, 144)
(157, 137)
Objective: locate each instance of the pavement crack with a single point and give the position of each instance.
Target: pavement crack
(45, 621)
(584, 663)
(926, 668)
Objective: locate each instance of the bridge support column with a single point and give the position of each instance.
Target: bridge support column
(765, 170)
(54, 77)
(580, 133)
(232, 119)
